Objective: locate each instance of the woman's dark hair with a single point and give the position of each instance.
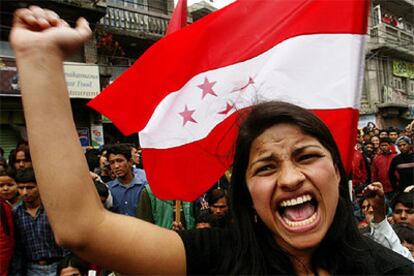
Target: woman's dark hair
(339, 252)
(74, 261)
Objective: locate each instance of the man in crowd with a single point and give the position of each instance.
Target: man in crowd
(393, 135)
(402, 165)
(126, 188)
(403, 209)
(35, 240)
(381, 164)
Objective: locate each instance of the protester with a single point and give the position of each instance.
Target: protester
(380, 230)
(71, 265)
(163, 212)
(136, 156)
(406, 236)
(203, 220)
(393, 134)
(8, 187)
(35, 240)
(104, 170)
(375, 140)
(218, 202)
(380, 166)
(21, 158)
(283, 154)
(7, 239)
(126, 188)
(403, 209)
(401, 171)
(367, 212)
(359, 169)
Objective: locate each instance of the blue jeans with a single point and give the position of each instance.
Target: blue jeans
(42, 270)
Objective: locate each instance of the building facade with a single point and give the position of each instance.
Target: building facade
(122, 31)
(388, 94)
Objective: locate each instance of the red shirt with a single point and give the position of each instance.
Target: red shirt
(6, 237)
(379, 170)
(359, 170)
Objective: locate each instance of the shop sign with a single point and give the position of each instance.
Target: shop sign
(82, 79)
(83, 133)
(403, 69)
(97, 136)
(9, 83)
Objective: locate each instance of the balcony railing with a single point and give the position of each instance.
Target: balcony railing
(386, 35)
(394, 96)
(116, 61)
(135, 20)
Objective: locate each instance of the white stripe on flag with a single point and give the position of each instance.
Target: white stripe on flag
(321, 71)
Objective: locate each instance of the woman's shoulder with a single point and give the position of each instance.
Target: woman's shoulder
(389, 262)
(207, 250)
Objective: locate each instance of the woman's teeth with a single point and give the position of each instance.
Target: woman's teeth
(296, 201)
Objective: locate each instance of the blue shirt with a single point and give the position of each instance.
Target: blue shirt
(35, 235)
(126, 197)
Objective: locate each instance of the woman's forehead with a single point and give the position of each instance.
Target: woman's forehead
(285, 138)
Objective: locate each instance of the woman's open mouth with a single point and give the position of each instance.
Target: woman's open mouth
(299, 214)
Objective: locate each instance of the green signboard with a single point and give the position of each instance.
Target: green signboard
(403, 69)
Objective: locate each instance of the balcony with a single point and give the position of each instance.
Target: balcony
(70, 10)
(384, 36)
(394, 102)
(134, 22)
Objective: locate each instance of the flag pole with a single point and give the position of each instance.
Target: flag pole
(178, 211)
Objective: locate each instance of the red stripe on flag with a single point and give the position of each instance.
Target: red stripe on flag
(198, 165)
(236, 33)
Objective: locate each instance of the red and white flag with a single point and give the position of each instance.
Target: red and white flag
(178, 18)
(183, 95)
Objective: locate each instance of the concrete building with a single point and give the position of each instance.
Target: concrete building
(82, 73)
(388, 94)
(123, 30)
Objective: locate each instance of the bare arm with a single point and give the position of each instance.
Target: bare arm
(128, 245)
(376, 198)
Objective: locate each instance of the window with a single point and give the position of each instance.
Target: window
(411, 87)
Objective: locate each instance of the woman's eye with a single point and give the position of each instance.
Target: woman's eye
(264, 169)
(307, 157)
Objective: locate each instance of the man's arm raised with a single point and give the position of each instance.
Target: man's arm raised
(41, 41)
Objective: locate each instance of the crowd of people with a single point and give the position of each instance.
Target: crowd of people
(285, 210)
(383, 158)
(399, 22)
(28, 246)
